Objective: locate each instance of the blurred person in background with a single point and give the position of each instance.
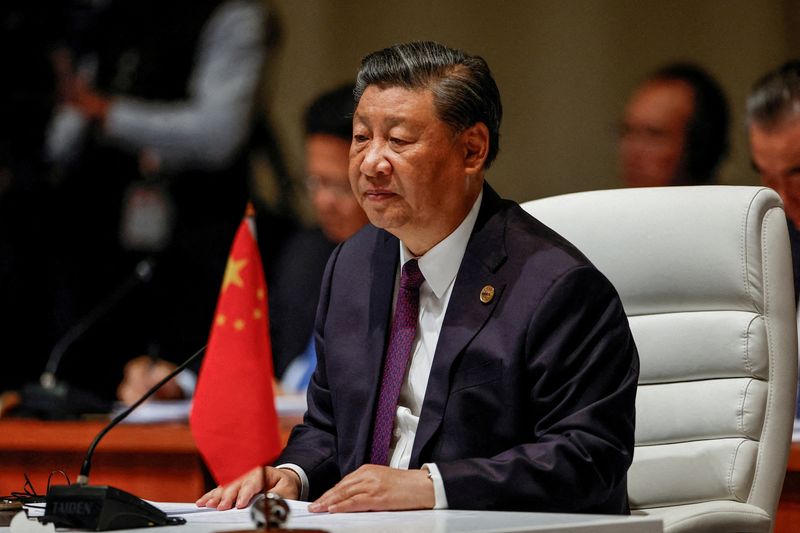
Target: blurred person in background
(675, 129)
(294, 276)
(295, 289)
(150, 146)
(773, 123)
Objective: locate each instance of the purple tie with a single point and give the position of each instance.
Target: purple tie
(401, 339)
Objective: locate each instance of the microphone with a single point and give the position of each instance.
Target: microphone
(101, 507)
(53, 399)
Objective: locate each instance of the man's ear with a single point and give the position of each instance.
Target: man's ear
(475, 141)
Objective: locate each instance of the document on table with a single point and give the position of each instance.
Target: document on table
(194, 514)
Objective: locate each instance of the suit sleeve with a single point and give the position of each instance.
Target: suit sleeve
(312, 444)
(582, 368)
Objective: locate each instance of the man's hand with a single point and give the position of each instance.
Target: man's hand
(141, 374)
(378, 488)
(239, 492)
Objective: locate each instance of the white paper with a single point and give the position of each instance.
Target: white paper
(155, 411)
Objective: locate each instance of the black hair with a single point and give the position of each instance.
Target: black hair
(331, 113)
(707, 135)
(464, 92)
(775, 96)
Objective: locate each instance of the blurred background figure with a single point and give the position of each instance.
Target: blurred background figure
(294, 291)
(294, 275)
(675, 129)
(773, 120)
(149, 146)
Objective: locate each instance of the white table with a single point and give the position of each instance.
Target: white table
(431, 521)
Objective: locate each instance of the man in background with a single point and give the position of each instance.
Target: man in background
(675, 130)
(773, 122)
(295, 275)
(295, 283)
(150, 150)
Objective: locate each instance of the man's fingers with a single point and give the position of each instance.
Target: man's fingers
(283, 481)
(250, 487)
(349, 487)
(238, 492)
(210, 498)
(377, 488)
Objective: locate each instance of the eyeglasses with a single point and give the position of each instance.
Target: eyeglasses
(315, 184)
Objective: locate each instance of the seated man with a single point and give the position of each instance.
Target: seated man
(506, 378)
(773, 120)
(675, 129)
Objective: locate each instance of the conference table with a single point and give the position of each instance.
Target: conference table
(159, 462)
(435, 521)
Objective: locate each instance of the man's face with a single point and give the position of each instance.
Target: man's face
(653, 137)
(411, 173)
(335, 205)
(776, 156)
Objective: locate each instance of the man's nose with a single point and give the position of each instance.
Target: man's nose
(375, 162)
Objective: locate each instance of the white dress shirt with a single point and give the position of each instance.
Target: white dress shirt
(439, 265)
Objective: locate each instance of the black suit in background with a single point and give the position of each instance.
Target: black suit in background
(530, 400)
(294, 276)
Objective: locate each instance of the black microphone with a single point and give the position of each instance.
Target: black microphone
(53, 399)
(101, 507)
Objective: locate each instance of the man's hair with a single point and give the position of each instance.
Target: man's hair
(331, 113)
(707, 141)
(464, 92)
(776, 96)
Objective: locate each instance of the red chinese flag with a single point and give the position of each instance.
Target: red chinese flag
(233, 417)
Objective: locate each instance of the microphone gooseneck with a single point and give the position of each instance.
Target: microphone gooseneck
(83, 476)
(142, 273)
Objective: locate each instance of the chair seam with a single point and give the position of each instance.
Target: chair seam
(770, 352)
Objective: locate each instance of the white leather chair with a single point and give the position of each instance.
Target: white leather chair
(706, 280)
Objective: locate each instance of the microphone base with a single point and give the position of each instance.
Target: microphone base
(101, 508)
(62, 402)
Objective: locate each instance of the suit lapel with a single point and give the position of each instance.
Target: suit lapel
(466, 313)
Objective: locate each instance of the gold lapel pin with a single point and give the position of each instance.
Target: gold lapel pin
(487, 293)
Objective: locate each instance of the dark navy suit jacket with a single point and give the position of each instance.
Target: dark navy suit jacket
(530, 400)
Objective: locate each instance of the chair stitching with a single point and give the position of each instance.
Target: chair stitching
(740, 410)
(748, 363)
(734, 455)
(770, 352)
(743, 247)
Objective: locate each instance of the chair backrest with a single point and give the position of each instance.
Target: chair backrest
(706, 279)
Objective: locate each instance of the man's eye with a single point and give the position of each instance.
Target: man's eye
(360, 138)
(398, 142)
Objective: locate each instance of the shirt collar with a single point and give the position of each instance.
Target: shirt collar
(440, 264)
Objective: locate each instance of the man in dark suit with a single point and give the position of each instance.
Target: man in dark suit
(502, 357)
(773, 126)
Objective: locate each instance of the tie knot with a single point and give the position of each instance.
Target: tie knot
(411, 277)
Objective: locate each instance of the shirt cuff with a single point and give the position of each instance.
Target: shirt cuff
(303, 478)
(439, 496)
(187, 381)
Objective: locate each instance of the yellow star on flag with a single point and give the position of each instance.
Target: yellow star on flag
(233, 273)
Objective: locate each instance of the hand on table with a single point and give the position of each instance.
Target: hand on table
(378, 488)
(239, 492)
(142, 373)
